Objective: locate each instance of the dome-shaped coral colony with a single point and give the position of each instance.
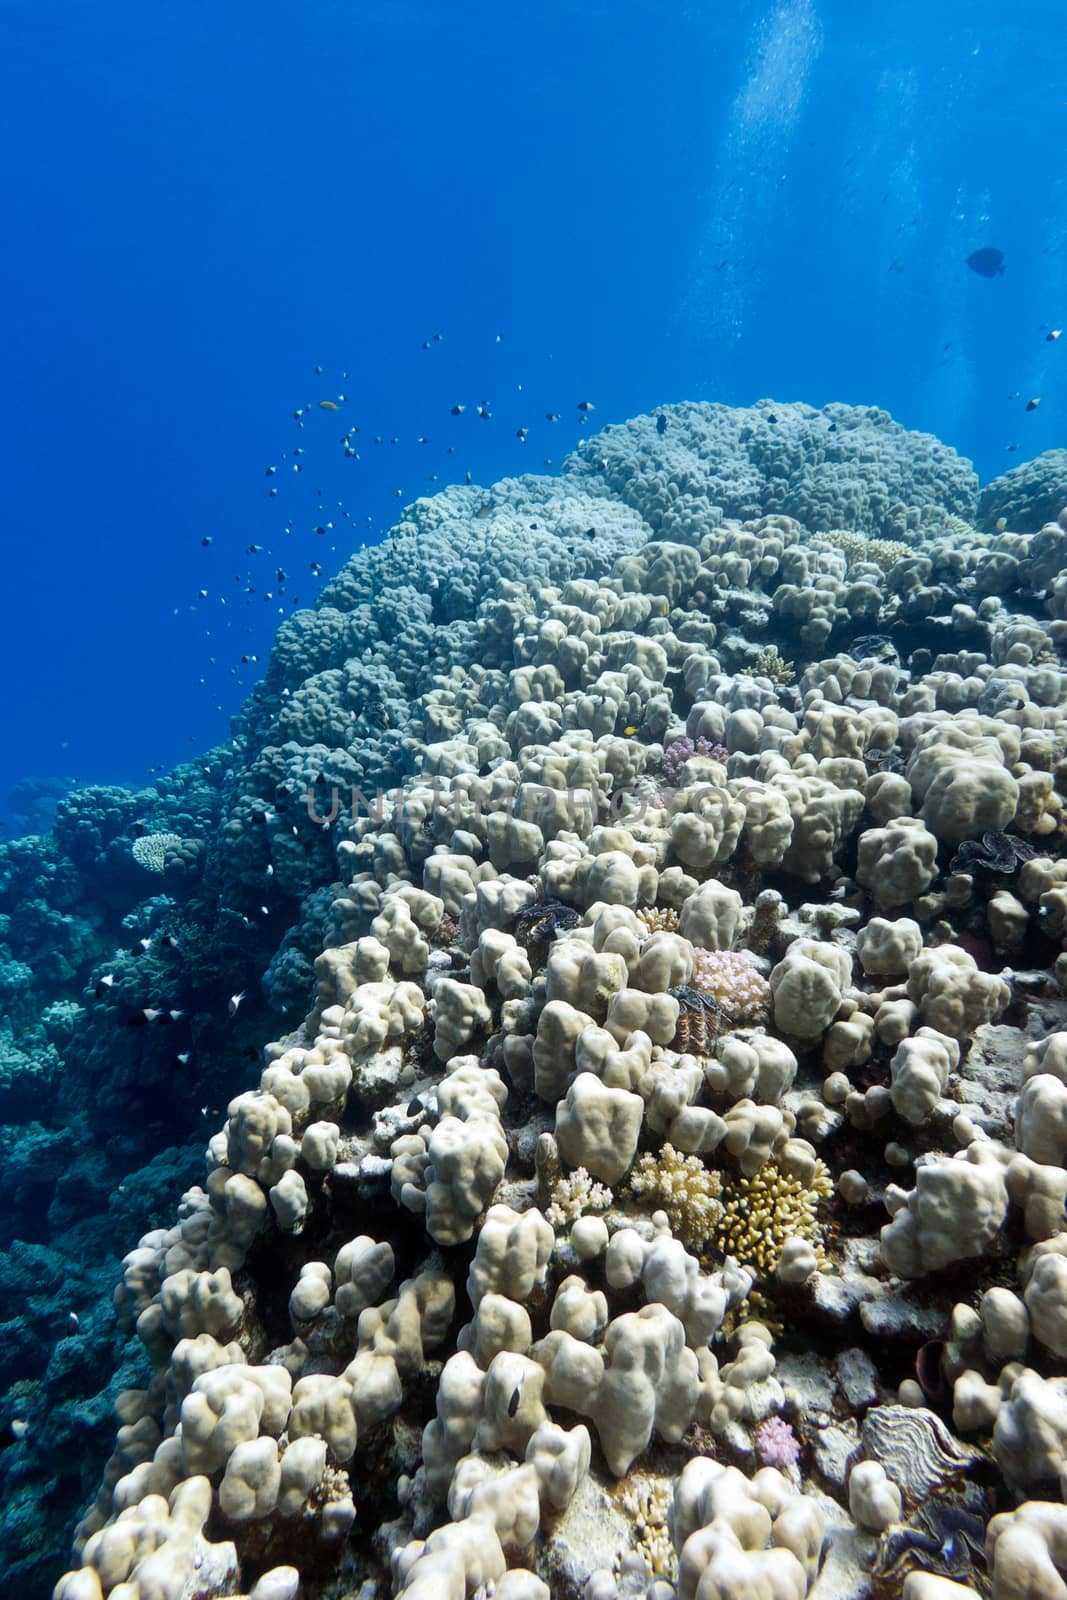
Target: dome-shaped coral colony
(564, 1210)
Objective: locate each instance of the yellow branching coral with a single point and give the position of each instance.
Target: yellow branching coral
(882, 552)
(648, 1504)
(760, 1213)
(658, 919)
(684, 1188)
(769, 664)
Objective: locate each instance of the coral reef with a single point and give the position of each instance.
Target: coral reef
(644, 1193)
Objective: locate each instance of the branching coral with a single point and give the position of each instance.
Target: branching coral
(152, 849)
(677, 754)
(658, 919)
(648, 1504)
(760, 1213)
(739, 988)
(881, 552)
(576, 1195)
(684, 1188)
(769, 664)
(776, 1444)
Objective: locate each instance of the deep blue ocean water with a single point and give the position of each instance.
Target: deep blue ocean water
(646, 202)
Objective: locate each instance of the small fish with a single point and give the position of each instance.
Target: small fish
(73, 1321)
(254, 549)
(457, 410)
(329, 405)
(661, 424)
(586, 405)
(142, 947)
(520, 433)
(104, 985)
(988, 263)
(772, 416)
(630, 730)
(1002, 523)
(467, 478)
(206, 540)
(551, 416)
(235, 1002)
(1032, 405)
(184, 1057)
(19, 1427)
(484, 412)
(516, 1396)
(1052, 335)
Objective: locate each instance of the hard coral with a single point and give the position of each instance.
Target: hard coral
(738, 987)
(152, 849)
(760, 1213)
(574, 1196)
(776, 1444)
(677, 754)
(769, 664)
(684, 1188)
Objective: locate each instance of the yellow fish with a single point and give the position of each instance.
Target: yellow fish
(630, 731)
(329, 405)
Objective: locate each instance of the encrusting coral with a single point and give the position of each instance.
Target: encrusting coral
(578, 1166)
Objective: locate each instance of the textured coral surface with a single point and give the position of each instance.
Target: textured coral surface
(636, 1164)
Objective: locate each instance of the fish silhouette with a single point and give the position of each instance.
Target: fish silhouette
(987, 262)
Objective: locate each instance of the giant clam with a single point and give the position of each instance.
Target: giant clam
(916, 1449)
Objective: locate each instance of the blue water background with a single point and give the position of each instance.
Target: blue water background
(648, 202)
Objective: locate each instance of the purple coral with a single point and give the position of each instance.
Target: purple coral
(776, 1444)
(677, 754)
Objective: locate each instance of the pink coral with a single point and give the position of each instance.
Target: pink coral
(776, 1444)
(677, 754)
(743, 993)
